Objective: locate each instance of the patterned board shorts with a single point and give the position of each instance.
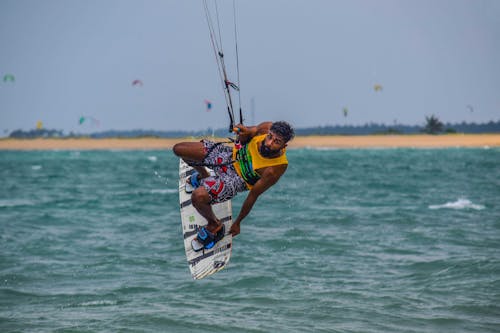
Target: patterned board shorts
(226, 183)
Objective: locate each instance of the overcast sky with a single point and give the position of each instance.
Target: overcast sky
(301, 61)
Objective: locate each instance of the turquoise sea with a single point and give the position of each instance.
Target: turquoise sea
(379, 240)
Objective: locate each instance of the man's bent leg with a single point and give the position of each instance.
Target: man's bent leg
(201, 201)
(192, 152)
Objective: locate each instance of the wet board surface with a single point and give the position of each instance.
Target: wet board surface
(205, 262)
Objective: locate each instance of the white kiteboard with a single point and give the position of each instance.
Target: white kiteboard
(204, 262)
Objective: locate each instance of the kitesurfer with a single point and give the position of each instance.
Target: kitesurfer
(255, 164)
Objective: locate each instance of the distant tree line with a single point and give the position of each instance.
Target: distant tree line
(432, 126)
(37, 133)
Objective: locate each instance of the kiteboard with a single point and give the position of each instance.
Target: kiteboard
(204, 262)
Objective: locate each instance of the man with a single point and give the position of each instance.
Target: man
(255, 165)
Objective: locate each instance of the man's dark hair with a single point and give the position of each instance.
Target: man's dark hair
(284, 130)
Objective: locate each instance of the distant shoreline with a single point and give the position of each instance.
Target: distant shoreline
(330, 141)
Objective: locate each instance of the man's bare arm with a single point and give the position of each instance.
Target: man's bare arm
(269, 177)
(246, 133)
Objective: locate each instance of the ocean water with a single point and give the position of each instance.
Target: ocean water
(380, 240)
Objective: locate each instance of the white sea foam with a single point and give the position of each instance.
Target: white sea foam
(164, 191)
(36, 167)
(98, 303)
(461, 203)
(152, 158)
(15, 202)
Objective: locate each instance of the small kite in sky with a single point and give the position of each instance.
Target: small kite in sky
(137, 83)
(9, 78)
(208, 105)
(88, 120)
(345, 111)
(377, 87)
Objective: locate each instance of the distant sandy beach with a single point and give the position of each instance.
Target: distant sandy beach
(334, 141)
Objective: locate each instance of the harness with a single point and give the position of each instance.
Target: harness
(244, 159)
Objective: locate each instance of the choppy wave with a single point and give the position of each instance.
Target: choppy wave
(461, 203)
(98, 303)
(165, 191)
(16, 202)
(346, 241)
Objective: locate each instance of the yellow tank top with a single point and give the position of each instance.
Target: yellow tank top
(248, 159)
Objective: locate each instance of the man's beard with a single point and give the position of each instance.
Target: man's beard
(266, 151)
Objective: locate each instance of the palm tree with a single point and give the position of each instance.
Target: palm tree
(433, 125)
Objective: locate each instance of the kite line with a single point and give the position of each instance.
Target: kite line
(216, 41)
